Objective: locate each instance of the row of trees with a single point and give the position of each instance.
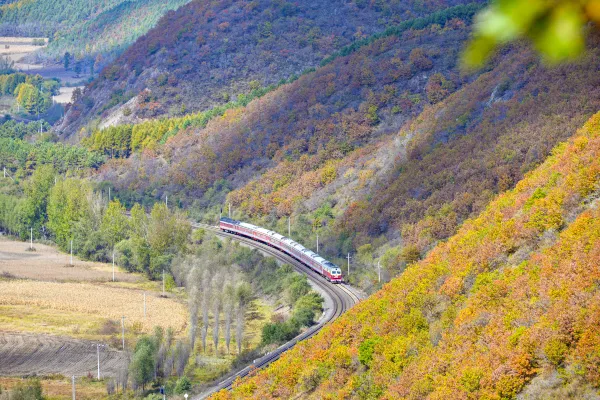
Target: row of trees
(21, 157)
(66, 210)
(120, 141)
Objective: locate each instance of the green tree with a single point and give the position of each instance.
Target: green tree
(115, 225)
(143, 362)
(37, 191)
(68, 203)
(67, 60)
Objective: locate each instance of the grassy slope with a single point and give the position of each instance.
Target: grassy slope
(512, 297)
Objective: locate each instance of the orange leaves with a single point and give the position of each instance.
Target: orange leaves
(484, 312)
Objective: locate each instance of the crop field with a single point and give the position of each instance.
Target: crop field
(48, 264)
(59, 387)
(17, 47)
(23, 354)
(95, 301)
(52, 314)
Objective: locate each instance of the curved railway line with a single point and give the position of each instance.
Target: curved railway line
(342, 297)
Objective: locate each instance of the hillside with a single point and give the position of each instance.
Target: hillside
(207, 53)
(398, 143)
(508, 305)
(83, 27)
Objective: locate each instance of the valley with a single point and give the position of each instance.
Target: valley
(344, 199)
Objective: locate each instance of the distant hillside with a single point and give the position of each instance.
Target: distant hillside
(508, 306)
(83, 27)
(323, 115)
(207, 53)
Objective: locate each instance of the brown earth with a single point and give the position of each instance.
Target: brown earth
(26, 354)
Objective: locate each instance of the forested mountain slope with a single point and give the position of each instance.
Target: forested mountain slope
(83, 27)
(377, 136)
(508, 305)
(206, 53)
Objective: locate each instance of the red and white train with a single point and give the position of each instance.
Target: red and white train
(330, 271)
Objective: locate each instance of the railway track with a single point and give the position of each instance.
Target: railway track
(342, 297)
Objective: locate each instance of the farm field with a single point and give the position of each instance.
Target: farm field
(66, 94)
(46, 263)
(25, 354)
(22, 52)
(15, 48)
(52, 311)
(59, 387)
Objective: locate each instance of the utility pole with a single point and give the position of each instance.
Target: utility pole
(167, 200)
(123, 330)
(73, 382)
(163, 282)
(98, 345)
(113, 266)
(71, 251)
(109, 194)
(348, 264)
(379, 269)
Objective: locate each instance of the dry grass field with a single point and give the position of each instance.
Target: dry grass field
(66, 94)
(93, 302)
(59, 387)
(17, 47)
(50, 310)
(48, 264)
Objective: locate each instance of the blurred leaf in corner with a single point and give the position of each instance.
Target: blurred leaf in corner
(556, 28)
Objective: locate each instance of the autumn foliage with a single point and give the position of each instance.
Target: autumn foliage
(505, 303)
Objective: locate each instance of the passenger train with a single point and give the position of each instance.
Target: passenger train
(330, 271)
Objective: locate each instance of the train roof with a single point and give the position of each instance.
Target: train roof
(288, 241)
(250, 226)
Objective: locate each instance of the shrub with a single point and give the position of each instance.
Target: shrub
(471, 378)
(366, 350)
(555, 351)
(183, 385)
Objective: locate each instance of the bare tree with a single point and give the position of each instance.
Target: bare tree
(229, 305)
(243, 297)
(217, 299)
(122, 378)
(206, 286)
(193, 306)
(182, 355)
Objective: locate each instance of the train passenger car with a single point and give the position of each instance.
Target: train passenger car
(309, 258)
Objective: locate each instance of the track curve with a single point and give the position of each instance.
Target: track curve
(342, 298)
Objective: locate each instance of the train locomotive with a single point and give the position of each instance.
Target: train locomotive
(330, 271)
